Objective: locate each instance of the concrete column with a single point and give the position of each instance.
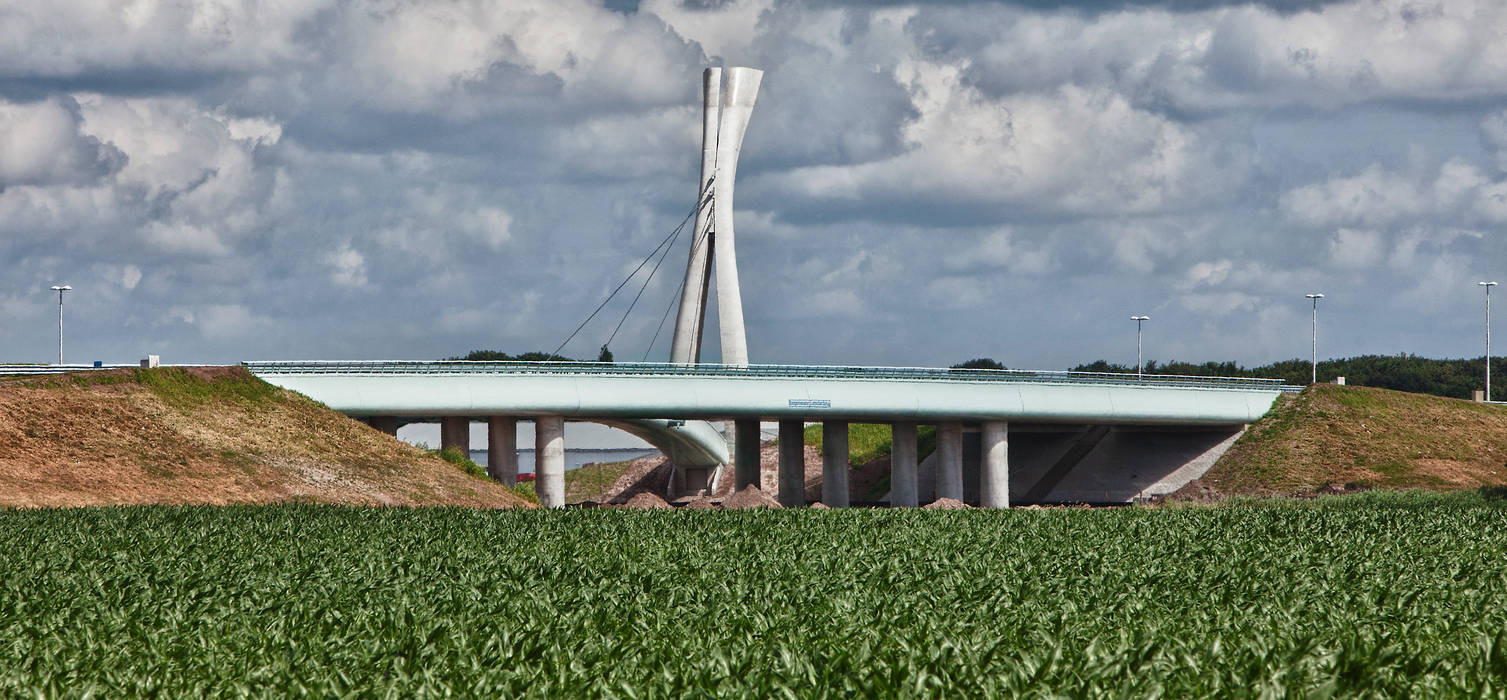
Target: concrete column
(994, 465)
(549, 461)
(502, 449)
(455, 432)
(792, 491)
(386, 424)
(950, 461)
(835, 463)
(903, 465)
(745, 453)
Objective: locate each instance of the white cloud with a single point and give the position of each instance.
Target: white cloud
(42, 143)
(1209, 273)
(489, 225)
(1072, 150)
(1376, 197)
(999, 249)
(921, 162)
(348, 267)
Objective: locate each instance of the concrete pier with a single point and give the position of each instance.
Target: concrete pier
(455, 433)
(903, 484)
(792, 489)
(950, 461)
(502, 449)
(994, 465)
(386, 424)
(745, 453)
(549, 461)
(835, 463)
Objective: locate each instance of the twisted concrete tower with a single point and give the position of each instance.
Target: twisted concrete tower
(728, 100)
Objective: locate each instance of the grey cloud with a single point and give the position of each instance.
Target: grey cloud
(920, 185)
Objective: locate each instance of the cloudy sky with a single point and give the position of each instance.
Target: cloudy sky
(226, 180)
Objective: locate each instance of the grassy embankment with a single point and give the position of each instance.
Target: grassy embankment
(869, 451)
(1379, 594)
(211, 435)
(1373, 437)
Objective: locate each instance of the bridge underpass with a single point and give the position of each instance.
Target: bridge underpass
(1072, 430)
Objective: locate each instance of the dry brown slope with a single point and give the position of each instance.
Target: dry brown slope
(1373, 437)
(210, 435)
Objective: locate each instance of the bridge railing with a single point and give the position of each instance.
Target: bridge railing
(772, 371)
(24, 369)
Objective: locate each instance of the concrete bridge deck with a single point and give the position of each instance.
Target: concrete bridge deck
(668, 404)
(721, 392)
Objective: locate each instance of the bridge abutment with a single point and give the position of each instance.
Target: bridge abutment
(950, 461)
(903, 476)
(455, 433)
(549, 461)
(835, 463)
(994, 464)
(502, 449)
(792, 473)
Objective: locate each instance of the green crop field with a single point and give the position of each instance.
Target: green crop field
(1380, 594)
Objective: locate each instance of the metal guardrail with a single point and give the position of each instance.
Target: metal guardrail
(454, 367)
(42, 370)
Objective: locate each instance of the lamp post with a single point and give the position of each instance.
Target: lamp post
(1488, 286)
(1138, 321)
(1315, 298)
(60, 290)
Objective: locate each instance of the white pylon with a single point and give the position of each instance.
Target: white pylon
(728, 98)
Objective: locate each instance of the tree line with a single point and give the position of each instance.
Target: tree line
(1455, 378)
(1421, 375)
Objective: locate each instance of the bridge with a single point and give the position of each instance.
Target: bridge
(669, 406)
(1061, 420)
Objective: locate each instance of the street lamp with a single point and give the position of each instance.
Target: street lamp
(1488, 286)
(60, 291)
(1315, 298)
(1138, 321)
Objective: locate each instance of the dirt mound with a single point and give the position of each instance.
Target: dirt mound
(946, 504)
(750, 497)
(206, 435)
(820, 506)
(701, 504)
(618, 482)
(647, 501)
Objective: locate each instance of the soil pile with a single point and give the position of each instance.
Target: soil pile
(1339, 439)
(618, 482)
(647, 501)
(945, 504)
(750, 498)
(206, 435)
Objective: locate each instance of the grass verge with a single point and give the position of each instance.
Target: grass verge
(870, 441)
